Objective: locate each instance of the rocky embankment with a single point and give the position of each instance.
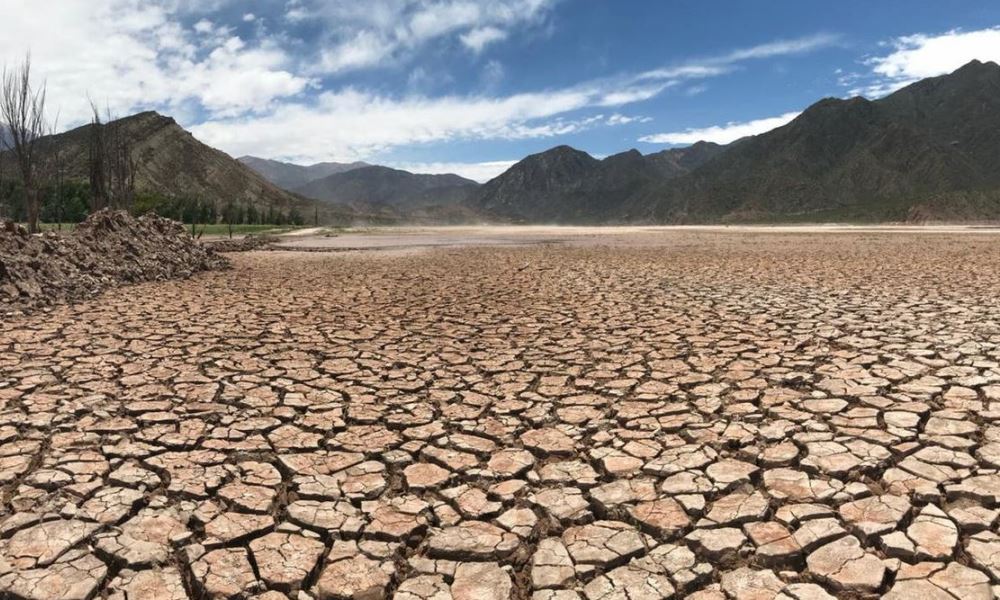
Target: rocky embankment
(110, 248)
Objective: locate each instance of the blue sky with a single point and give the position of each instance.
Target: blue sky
(472, 85)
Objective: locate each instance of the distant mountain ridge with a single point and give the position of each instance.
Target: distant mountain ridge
(290, 176)
(567, 185)
(377, 185)
(374, 188)
(929, 151)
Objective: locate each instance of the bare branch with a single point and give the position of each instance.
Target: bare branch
(4, 149)
(111, 164)
(22, 108)
(96, 162)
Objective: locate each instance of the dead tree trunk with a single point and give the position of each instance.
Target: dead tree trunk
(96, 163)
(56, 170)
(22, 108)
(112, 167)
(3, 183)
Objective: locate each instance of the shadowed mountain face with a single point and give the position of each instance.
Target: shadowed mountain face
(378, 188)
(566, 185)
(375, 189)
(290, 176)
(171, 162)
(928, 151)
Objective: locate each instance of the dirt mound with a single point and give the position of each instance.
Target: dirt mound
(108, 249)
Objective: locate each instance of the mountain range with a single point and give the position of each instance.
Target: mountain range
(360, 184)
(376, 185)
(929, 151)
(290, 176)
(564, 185)
(392, 194)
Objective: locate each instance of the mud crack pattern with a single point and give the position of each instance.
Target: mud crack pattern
(706, 415)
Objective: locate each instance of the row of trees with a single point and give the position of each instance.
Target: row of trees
(195, 210)
(33, 181)
(72, 201)
(68, 201)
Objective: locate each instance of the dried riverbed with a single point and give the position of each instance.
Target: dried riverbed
(742, 414)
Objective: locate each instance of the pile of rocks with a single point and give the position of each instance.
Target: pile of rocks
(108, 249)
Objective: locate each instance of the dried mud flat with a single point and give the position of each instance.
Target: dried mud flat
(703, 414)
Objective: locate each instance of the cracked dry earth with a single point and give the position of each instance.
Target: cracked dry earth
(697, 415)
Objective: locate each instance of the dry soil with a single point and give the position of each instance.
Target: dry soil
(631, 415)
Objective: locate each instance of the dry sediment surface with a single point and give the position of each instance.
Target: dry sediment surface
(245, 243)
(702, 415)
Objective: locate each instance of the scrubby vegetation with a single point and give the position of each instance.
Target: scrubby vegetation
(72, 202)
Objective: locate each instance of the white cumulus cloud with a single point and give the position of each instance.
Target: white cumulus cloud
(721, 134)
(915, 57)
(378, 33)
(133, 55)
(481, 171)
(479, 38)
(353, 124)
